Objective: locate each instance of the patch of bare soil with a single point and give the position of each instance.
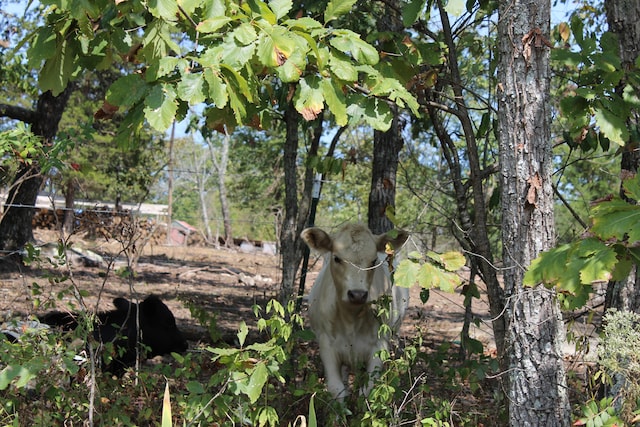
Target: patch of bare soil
(224, 282)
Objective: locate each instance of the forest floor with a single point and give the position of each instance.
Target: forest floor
(226, 283)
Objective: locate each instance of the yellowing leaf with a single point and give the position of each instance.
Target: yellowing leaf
(309, 100)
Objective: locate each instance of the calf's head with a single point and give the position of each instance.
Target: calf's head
(352, 254)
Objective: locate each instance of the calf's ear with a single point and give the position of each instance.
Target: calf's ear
(395, 238)
(317, 239)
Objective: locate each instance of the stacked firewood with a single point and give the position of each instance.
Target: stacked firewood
(103, 222)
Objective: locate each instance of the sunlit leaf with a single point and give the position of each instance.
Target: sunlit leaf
(350, 43)
(611, 123)
(309, 99)
(160, 107)
(337, 8)
(335, 101)
(280, 7)
(217, 88)
(166, 9)
(213, 24)
(190, 88)
(406, 274)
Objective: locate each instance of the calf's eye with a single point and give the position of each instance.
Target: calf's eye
(337, 260)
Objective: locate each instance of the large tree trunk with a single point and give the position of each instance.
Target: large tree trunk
(537, 390)
(623, 17)
(15, 226)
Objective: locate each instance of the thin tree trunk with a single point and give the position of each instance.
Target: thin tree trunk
(382, 196)
(473, 219)
(537, 390)
(386, 145)
(220, 164)
(291, 249)
(69, 201)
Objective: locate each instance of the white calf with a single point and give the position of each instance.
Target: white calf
(353, 276)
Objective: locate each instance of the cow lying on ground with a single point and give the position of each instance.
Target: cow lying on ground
(353, 276)
(158, 330)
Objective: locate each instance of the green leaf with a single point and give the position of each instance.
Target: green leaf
(313, 422)
(616, 219)
(612, 124)
(450, 261)
(292, 70)
(406, 274)
(280, 7)
(43, 46)
(127, 90)
(165, 9)
(632, 187)
(431, 276)
(217, 88)
(275, 46)
(257, 381)
(412, 11)
(336, 8)
(213, 24)
(243, 331)
(349, 42)
(373, 111)
(342, 68)
(160, 107)
(261, 9)
(7, 374)
(245, 34)
(58, 69)
(599, 261)
(190, 88)
(335, 101)
(195, 387)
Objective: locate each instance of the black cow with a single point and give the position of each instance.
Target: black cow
(158, 330)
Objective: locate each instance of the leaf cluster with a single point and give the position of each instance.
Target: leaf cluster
(607, 252)
(602, 95)
(234, 57)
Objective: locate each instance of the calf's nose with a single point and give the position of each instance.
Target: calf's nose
(357, 297)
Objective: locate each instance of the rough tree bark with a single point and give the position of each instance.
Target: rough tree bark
(537, 390)
(15, 225)
(623, 17)
(386, 146)
(297, 204)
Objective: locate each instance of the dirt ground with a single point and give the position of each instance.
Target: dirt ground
(223, 282)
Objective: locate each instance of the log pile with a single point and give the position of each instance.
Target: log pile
(106, 223)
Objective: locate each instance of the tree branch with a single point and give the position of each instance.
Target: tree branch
(17, 113)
